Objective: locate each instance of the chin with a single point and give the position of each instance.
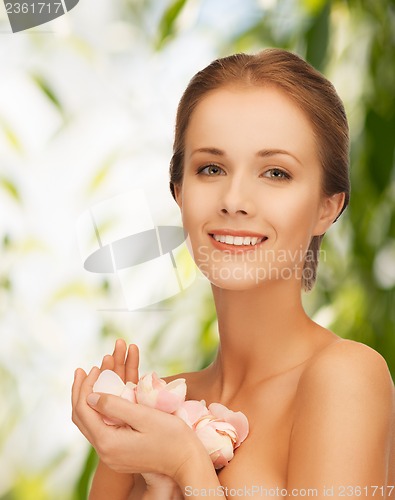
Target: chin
(236, 286)
(233, 277)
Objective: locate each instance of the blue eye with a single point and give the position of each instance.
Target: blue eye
(211, 170)
(277, 173)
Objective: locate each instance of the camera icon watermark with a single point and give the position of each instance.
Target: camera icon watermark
(151, 262)
(24, 15)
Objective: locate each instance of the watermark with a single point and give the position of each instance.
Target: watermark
(270, 264)
(24, 15)
(149, 263)
(249, 491)
(281, 255)
(346, 491)
(256, 275)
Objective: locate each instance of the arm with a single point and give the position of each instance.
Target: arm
(342, 427)
(109, 484)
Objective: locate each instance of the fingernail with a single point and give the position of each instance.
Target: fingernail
(93, 398)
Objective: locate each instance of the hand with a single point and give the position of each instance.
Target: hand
(158, 485)
(151, 441)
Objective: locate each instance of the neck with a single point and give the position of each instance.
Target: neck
(263, 332)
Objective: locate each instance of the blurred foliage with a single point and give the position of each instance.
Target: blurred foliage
(83, 483)
(166, 28)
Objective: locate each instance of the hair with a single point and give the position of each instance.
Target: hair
(309, 90)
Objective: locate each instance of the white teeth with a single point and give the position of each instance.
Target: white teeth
(237, 240)
(229, 240)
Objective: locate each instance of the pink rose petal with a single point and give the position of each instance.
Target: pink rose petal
(191, 411)
(156, 393)
(219, 445)
(109, 382)
(236, 418)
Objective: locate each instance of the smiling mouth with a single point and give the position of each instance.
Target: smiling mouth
(238, 240)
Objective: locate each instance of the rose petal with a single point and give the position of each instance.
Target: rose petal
(145, 393)
(157, 383)
(177, 386)
(156, 393)
(236, 418)
(109, 382)
(220, 461)
(191, 411)
(168, 401)
(129, 392)
(217, 445)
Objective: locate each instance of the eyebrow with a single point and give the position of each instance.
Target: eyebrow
(267, 153)
(212, 151)
(263, 153)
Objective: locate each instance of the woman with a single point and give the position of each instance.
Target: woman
(260, 173)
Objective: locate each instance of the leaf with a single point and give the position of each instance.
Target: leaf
(10, 187)
(166, 27)
(317, 37)
(44, 86)
(101, 175)
(11, 136)
(313, 6)
(82, 486)
(380, 147)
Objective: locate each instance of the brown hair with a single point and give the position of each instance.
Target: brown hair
(308, 88)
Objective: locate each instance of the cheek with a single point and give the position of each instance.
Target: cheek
(196, 204)
(190, 212)
(294, 212)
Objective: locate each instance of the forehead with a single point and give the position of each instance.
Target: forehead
(251, 118)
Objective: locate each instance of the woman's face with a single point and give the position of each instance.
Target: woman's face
(250, 196)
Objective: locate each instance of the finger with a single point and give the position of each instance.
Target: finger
(88, 382)
(107, 363)
(139, 417)
(119, 355)
(79, 376)
(132, 364)
(84, 416)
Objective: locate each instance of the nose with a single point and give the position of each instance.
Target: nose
(236, 198)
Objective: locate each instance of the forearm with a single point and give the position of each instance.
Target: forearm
(173, 494)
(110, 484)
(198, 476)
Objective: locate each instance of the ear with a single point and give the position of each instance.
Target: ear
(330, 208)
(178, 195)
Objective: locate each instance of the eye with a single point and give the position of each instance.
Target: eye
(277, 173)
(211, 170)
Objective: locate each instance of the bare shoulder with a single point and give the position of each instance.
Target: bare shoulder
(343, 409)
(350, 362)
(348, 371)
